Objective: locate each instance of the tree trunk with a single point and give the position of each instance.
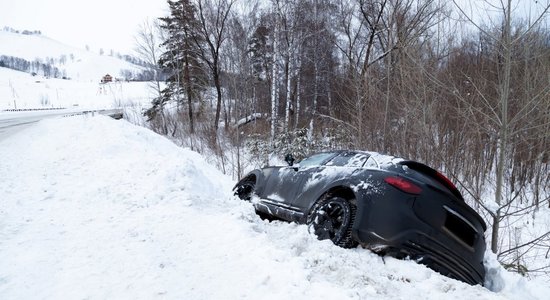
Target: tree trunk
(298, 99)
(275, 80)
(288, 91)
(187, 78)
(504, 89)
(216, 76)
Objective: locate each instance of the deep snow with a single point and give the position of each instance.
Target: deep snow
(101, 209)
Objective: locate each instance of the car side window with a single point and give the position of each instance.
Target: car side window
(371, 163)
(348, 159)
(315, 160)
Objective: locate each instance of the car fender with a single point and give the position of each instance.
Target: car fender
(355, 185)
(261, 176)
(256, 173)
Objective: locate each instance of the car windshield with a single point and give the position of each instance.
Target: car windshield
(316, 159)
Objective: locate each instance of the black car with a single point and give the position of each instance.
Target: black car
(390, 205)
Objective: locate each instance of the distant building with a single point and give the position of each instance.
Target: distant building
(106, 78)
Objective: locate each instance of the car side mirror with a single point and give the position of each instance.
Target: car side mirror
(289, 158)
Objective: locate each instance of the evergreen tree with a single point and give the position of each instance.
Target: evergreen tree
(181, 59)
(259, 52)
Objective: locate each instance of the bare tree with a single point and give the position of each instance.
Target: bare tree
(148, 40)
(374, 37)
(213, 16)
(500, 108)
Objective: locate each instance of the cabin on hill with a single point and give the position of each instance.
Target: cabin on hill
(106, 78)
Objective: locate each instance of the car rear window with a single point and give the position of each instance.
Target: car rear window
(348, 159)
(316, 159)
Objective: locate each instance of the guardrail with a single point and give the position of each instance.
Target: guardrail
(35, 109)
(116, 113)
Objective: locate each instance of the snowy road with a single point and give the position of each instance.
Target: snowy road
(14, 121)
(164, 225)
(11, 122)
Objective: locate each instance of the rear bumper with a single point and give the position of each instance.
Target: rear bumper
(436, 256)
(392, 226)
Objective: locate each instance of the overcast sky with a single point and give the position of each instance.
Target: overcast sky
(107, 24)
(112, 24)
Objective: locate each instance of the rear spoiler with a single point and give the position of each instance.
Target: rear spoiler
(435, 175)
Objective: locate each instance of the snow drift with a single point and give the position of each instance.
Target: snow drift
(96, 208)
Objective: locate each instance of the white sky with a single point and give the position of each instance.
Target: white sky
(107, 24)
(112, 24)
(484, 9)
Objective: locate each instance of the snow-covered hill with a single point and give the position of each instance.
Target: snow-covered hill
(79, 64)
(23, 91)
(100, 209)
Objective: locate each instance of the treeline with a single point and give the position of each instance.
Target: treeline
(25, 32)
(37, 66)
(395, 76)
(141, 75)
(132, 59)
(46, 67)
(145, 74)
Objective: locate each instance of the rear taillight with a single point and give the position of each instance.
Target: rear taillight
(403, 185)
(446, 181)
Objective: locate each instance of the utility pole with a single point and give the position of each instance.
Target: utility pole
(14, 94)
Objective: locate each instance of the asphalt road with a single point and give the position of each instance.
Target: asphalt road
(13, 122)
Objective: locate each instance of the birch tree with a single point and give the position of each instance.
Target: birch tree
(275, 69)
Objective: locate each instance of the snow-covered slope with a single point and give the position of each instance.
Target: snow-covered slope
(79, 64)
(100, 209)
(23, 91)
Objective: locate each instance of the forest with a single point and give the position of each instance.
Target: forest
(463, 86)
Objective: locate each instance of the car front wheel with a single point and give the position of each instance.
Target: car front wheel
(332, 218)
(245, 189)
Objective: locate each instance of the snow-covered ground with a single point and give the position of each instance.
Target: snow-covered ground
(22, 90)
(94, 208)
(79, 64)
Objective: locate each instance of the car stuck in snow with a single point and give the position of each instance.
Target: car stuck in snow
(392, 206)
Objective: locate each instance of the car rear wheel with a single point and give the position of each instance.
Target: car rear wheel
(332, 218)
(245, 189)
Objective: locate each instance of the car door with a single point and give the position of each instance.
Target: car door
(285, 183)
(281, 185)
(316, 180)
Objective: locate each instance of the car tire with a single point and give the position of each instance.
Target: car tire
(245, 189)
(332, 218)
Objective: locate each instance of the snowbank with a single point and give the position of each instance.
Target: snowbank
(101, 209)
